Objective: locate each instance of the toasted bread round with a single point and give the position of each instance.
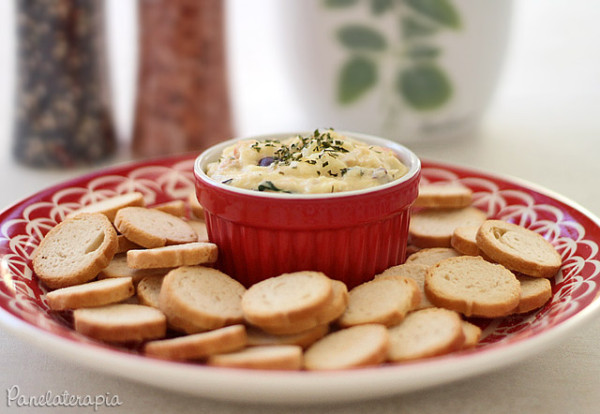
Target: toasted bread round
(197, 299)
(120, 323)
(464, 240)
(75, 250)
(153, 228)
(445, 195)
(426, 333)
(433, 227)
(87, 295)
(535, 292)
(148, 291)
(257, 337)
(358, 346)
(199, 227)
(110, 206)
(414, 271)
(327, 314)
(276, 357)
(384, 301)
(518, 248)
(175, 208)
(288, 300)
(431, 255)
(118, 268)
(472, 334)
(188, 254)
(125, 244)
(200, 345)
(472, 286)
(195, 207)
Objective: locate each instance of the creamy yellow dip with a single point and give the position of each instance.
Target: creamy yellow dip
(324, 162)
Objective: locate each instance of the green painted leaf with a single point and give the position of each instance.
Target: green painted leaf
(412, 27)
(423, 52)
(424, 86)
(339, 3)
(380, 6)
(358, 37)
(357, 76)
(442, 11)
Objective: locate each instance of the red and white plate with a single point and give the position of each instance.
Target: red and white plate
(576, 291)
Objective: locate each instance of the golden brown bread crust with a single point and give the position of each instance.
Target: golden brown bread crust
(444, 196)
(433, 227)
(200, 345)
(464, 240)
(288, 303)
(87, 295)
(384, 301)
(518, 248)
(426, 333)
(75, 250)
(197, 299)
(188, 254)
(472, 286)
(120, 323)
(153, 228)
(276, 357)
(357, 346)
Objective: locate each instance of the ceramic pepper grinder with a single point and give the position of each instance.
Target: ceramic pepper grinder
(63, 114)
(182, 102)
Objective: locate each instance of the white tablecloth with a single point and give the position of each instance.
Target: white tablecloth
(543, 126)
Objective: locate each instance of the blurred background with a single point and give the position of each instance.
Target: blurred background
(462, 70)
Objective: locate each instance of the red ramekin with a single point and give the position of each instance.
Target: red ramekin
(349, 236)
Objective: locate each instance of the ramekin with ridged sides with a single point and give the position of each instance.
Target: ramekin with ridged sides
(349, 236)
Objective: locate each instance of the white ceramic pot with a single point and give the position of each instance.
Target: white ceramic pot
(409, 70)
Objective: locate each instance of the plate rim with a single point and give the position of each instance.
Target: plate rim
(218, 382)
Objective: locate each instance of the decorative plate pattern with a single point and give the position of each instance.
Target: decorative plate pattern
(574, 232)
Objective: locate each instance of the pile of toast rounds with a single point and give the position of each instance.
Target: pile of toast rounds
(136, 274)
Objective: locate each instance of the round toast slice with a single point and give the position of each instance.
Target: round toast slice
(148, 291)
(188, 254)
(358, 346)
(91, 294)
(197, 299)
(304, 339)
(120, 323)
(464, 240)
(414, 271)
(433, 227)
(276, 357)
(535, 292)
(445, 195)
(518, 248)
(328, 314)
(153, 228)
(111, 205)
(431, 255)
(384, 301)
(75, 250)
(426, 333)
(473, 286)
(200, 345)
(289, 300)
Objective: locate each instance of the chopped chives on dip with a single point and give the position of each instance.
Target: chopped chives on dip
(323, 162)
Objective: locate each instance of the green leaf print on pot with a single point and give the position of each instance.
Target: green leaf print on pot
(424, 86)
(357, 37)
(442, 11)
(415, 80)
(358, 75)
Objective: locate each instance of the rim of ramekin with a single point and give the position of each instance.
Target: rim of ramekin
(211, 154)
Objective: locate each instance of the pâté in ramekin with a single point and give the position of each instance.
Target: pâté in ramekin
(335, 202)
